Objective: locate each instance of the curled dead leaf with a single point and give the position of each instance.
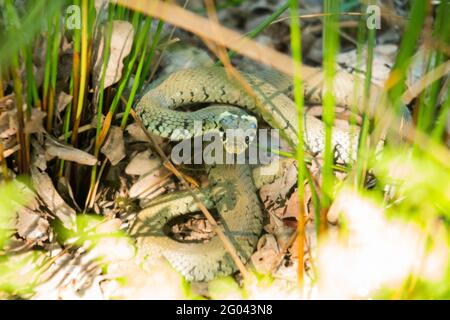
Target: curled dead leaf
(63, 100)
(114, 147)
(275, 195)
(64, 151)
(31, 226)
(266, 254)
(151, 184)
(55, 203)
(143, 163)
(121, 43)
(136, 133)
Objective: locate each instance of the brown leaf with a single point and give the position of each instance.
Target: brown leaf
(56, 204)
(142, 163)
(136, 133)
(63, 100)
(150, 184)
(114, 147)
(121, 43)
(31, 226)
(274, 195)
(7, 102)
(292, 208)
(64, 151)
(266, 254)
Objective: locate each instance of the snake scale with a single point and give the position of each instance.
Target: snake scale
(231, 190)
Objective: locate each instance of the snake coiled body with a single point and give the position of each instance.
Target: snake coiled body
(234, 195)
(213, 85)
(232, 191)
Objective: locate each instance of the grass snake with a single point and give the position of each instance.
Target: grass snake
(231, 190)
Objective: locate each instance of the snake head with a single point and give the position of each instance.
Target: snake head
(237, 130)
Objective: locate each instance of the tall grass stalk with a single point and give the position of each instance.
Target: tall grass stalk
(442, 120)
(330, 49)
(148, 61)
(32, 90)
(141, 35)
(429, 99)
(300, 152)
(360, 47)
(84, 63)
(48, 62)
(54, 55)
(364, 142)
(4, 167)
(2, 89)
(106, 54)
(69, 116)
(15, 27)
(137, 76)
(396, 81)
(101, 89)
(24, 154)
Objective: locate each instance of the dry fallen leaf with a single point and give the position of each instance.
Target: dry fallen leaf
(142, 163)
(266, 254)
(44, 187)
(7, 102)
(136, 133)
(31, 226)
(121, 43)
(150, 184)
(292, 208)
(274, 195)
(114, 147)
(33, 125)
(7, 135)
(63, 100)
(64, 151)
